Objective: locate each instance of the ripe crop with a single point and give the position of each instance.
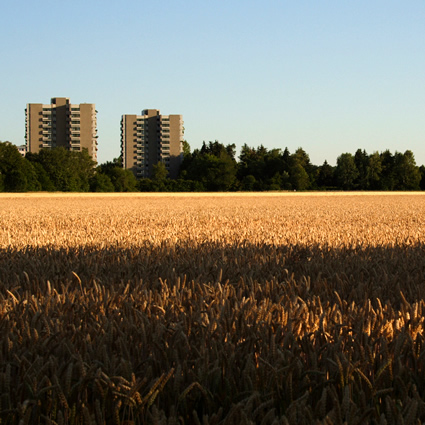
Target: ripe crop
(212, 309)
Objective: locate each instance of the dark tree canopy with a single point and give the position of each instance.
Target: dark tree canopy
(122, 179)
(346, 171)
(16, 174)
(325, 177)
(407, 174)
(67, 171)
(213, 167)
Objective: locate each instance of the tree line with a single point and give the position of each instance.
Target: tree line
(213, 167)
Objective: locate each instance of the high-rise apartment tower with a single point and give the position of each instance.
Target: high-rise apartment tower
(73, 127)
(151, 138)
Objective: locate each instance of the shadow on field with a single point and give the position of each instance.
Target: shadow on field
(355, 273)
(222, 332)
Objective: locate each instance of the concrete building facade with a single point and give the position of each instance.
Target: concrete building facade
(61, 124)
(22, 150)
(150, 138)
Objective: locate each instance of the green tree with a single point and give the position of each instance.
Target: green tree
(361, 159)
(387, 181)
(249, 183)
(159, 181)
(325, 178)
(374, 171)
(298, 176)
(186, 148)
(33, 184)
(275, 182)
(269, 168)
(45, 184)
(273, 163)
(68, 171)
(422, 171)
(214, 166)
(298, 162)
(159, 172)
(101, 182)
(301, 156)
(122, 179)
(312, 170)
(215, 173)
(16, 173)
(346, 171)
(85, 168)
(407, 174)
(252, 162)
(146, 185)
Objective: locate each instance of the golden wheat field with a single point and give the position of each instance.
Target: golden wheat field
(212, 309)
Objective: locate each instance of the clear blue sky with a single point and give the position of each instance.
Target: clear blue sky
(327, 76)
